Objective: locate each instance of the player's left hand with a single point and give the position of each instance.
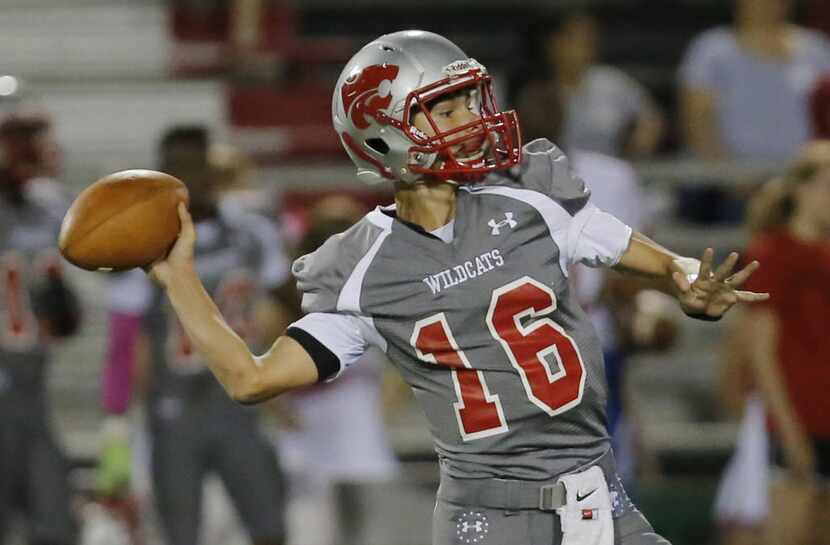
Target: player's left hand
(714, 292)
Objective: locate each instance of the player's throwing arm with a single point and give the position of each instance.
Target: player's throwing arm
(702, 293)
(247, 378)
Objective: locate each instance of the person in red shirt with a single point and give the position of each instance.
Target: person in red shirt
(787, 342)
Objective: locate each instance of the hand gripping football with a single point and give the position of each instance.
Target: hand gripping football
(125, 220)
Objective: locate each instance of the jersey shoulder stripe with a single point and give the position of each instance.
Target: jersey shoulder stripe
(331, 278)
(561, 225)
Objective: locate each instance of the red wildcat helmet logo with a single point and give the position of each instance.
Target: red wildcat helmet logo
(368, 91)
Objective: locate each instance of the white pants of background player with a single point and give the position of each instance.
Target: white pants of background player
(340, 439)
(742, 497)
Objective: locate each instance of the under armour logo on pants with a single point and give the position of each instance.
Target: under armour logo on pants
(477, 526)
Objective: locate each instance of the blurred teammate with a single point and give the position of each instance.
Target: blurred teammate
(611, 301)
(786, 342)
(337, 457)
(37, 307)
(194, 428)
(464, 286)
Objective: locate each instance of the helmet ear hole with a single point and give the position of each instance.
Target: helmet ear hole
(377, 145)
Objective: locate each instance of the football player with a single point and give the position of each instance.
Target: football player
(37, 307)
(194, 428)
(462, 282)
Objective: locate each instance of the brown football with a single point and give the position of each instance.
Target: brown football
(125, 220)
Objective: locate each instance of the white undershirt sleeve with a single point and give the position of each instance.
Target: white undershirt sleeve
(596, 238)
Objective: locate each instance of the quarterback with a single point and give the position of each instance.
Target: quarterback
(463, 283)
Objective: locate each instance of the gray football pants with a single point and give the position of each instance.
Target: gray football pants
(186, 449)
(33, 477)
(455, 524)
(477, 512)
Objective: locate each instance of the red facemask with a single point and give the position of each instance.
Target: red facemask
(496, 134)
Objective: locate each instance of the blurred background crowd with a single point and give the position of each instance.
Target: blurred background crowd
(698, 122)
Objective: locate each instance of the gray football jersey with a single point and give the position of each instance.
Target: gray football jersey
(485, 329)
(28, 247)
(237, 257)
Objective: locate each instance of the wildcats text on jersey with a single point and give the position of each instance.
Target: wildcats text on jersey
(459, 274)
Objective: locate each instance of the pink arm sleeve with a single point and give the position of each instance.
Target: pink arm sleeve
(124, 330)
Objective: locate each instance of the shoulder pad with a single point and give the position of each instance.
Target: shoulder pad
(322, 274)
(546, 169)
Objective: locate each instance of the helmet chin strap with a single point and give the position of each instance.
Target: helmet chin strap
(437, 163)
(423, 181)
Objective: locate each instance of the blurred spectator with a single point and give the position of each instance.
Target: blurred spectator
(625, 318)
(252, 36)
(786, 342)
(235, 177)
(605, 110)
(820, 108)
(245, 25)
(742, 500)
(744, 89)
(233, 170)
(28, 150)
(37, 307)
(333, 458)
(818, 15)
(195, 429)
(628, 318)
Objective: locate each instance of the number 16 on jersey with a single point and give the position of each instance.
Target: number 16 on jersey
(528, 346)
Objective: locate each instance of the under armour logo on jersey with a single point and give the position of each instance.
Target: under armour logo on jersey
(471, 527)
(495, 228)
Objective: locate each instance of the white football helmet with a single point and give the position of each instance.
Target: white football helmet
(398, 74)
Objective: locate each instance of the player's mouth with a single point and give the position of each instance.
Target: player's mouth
(472, 150)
